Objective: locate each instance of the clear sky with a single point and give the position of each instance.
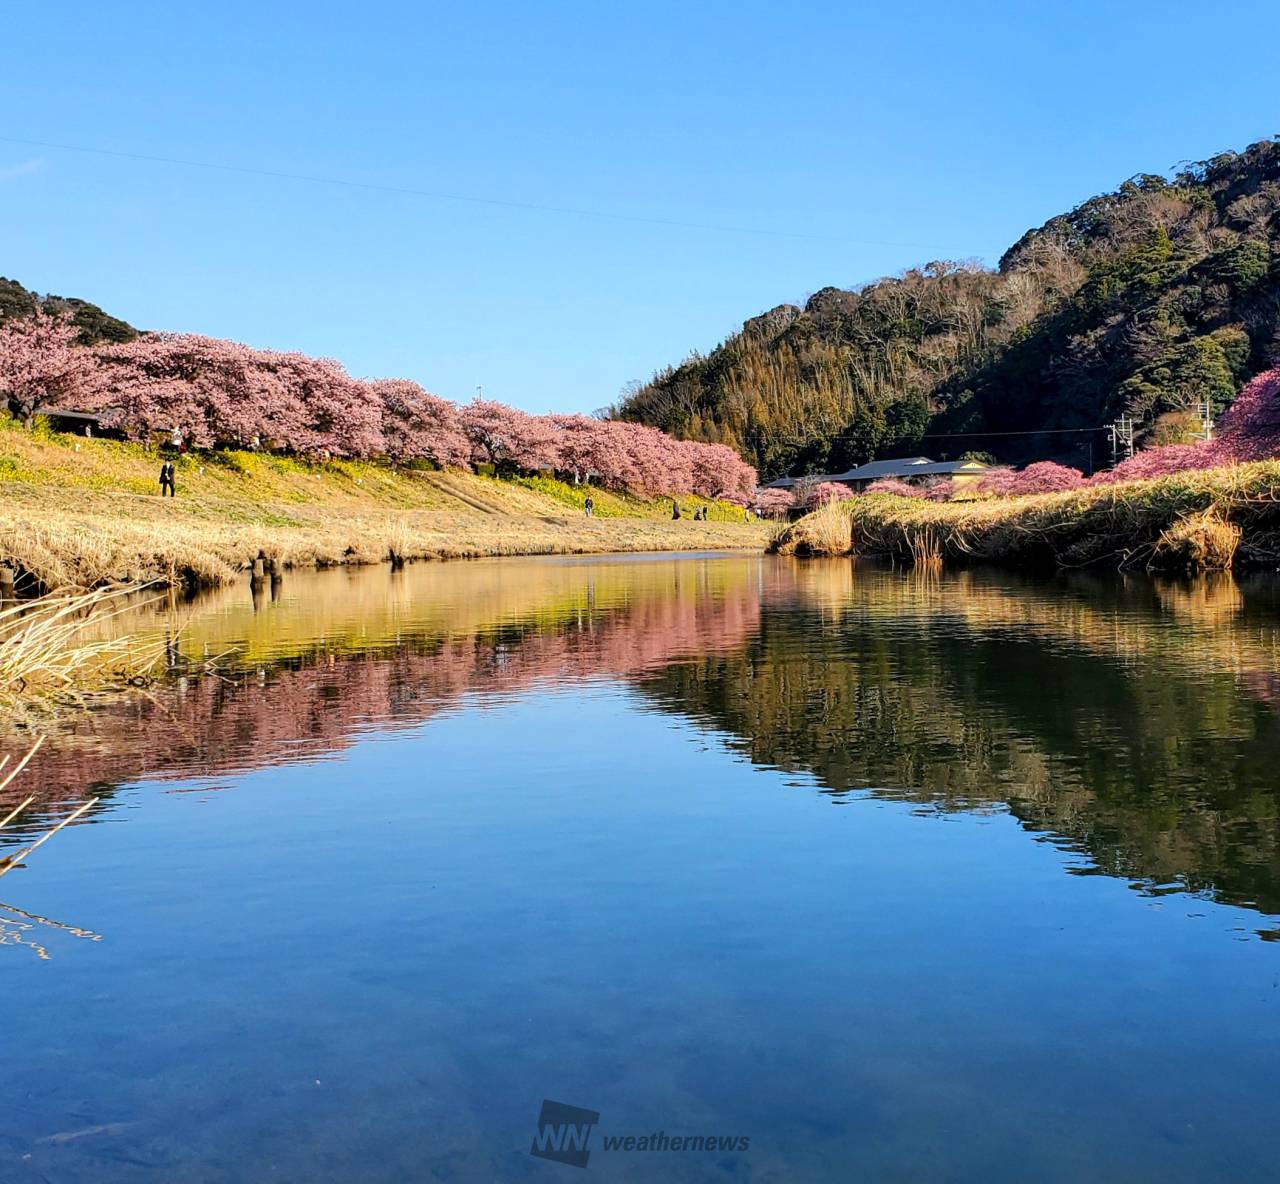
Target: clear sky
(749, 154)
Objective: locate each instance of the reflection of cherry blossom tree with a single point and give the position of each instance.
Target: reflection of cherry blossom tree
(39, 363)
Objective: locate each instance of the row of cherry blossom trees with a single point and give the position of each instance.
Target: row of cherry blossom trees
(222, 394)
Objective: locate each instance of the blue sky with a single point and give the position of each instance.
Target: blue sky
(852, 140)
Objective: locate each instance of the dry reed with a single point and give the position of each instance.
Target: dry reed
(827, 531)
(47, 650)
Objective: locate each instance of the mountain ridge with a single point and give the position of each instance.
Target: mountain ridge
(1146, 300)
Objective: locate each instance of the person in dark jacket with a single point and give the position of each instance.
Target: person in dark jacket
(675, 511)
(167, 483)
(589, 506)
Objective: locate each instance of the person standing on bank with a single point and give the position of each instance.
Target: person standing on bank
(589, 506)
(167, 483)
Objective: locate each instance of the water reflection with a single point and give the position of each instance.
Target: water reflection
(747, 845)
(21, 928)
(1131, 722)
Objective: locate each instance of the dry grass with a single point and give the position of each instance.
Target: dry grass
(1204, 541)
(60, 540)
(924, 542)
(48, 651)
(1198, 521)
(827, 531)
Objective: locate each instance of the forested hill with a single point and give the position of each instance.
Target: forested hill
(93, 324)
(1145, 300)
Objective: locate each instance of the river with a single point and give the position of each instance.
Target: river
(851, 872)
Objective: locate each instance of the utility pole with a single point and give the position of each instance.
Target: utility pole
(1121, 438)
(1204, 409)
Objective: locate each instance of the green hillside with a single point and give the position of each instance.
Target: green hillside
(93, 323)
(1144, 300)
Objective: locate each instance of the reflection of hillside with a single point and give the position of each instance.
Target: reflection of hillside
(560, 622)
(1132, 722)
(1103, 721)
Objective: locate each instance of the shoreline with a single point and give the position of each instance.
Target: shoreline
(112, 538)
(1196, 521)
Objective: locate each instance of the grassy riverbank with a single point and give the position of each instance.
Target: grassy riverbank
(1196, 521)
(85, 512)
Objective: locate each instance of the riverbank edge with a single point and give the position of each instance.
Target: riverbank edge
(116, 539)
(1204, 520)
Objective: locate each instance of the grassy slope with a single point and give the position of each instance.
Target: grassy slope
(86, 511)
(1192, 521)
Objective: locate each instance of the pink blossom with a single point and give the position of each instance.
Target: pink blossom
(997, 482)
(224, 394)
(1042, 477)
(221, 393)
(40, 363)
(894, 486)
(1250, 428)
(825, 492)
(1163, 461)
(773, 501)
(418, 424)
(1047, 477)
(504, 435)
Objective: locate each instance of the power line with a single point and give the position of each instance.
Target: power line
(1030, 432)
(953, 435)
(442, 195)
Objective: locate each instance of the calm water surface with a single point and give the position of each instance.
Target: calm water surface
(971, 878)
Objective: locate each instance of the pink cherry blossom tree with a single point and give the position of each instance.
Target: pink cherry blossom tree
(1151, 463)
(586, 448)
(656, 463)
(717, 471)
(40, 363)
(825, 492)
(997, 482)
(224, 394)
(417, 424)
(773, 502)
(1046, 477)
(1250, 428)
(504, 435)
(894, 486)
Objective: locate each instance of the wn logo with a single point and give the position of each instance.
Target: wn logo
(563, 1133)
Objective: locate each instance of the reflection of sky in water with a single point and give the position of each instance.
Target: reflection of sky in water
(362, 940)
